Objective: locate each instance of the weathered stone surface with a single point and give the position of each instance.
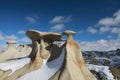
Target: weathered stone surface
(36, 63)
(69, 34)
(12, 53)
(47, 36)
(45, 39)
(74, 67)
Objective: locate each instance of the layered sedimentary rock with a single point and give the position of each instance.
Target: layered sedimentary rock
(73, 67)
(41, 42)
(11, 52)
(33, 65)
(45, 39)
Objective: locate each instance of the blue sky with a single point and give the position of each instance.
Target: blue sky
(97, 22)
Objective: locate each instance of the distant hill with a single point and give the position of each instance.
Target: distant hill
(103, 61)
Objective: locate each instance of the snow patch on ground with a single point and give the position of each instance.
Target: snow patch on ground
(104, 69)
(44, 73)
(14, 65)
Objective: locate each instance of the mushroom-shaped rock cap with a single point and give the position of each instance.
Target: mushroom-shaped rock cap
(69, 32)
(11, 42)
(37, 35)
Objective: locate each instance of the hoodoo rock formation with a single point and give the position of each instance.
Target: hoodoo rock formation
(13, 53)
(74, 67)
(43, 48)
(33, 65)
(40, 41)
(45, 39)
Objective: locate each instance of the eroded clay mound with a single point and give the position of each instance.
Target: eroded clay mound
(73, 65)
(12, 52)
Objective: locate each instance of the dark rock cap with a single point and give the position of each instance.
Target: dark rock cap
(37, 35)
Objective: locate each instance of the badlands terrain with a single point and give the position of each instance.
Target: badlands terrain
(47, 59)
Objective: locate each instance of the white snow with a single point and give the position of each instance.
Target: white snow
(104, 69)
(49, 69)
(44, 73)
(14, 65)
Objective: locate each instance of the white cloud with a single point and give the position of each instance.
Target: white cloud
(111, 21)
(115, 30)
(7, 37)
(117, 17)
(61, 19)
(107, 24)
(107, 21)
(92, 30)
(58, 27)
(21, 32)
(11, 37)
(30, 19)
(100, 45)
(1, 36)
(104, 29)
(25, 39)
(109, 36)
(118, 35)
(57, 19)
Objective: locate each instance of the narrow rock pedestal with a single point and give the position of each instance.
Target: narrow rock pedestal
(74, 67)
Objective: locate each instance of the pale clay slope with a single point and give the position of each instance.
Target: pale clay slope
(11, 52)
(71, 67)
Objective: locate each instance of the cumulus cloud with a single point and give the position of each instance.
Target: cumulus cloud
(92, 30)
(30, 19)
(7, 37)
(100, 45)
(25, 39)
(118, 35)
(1, 36)
(104, 29)
(11, 37)
(107, 24)
(59, 22)
(107, 21)
(57, 27)
(60, 19)
(111, 21)
(109, 36)
(21, 32)
(115, 30)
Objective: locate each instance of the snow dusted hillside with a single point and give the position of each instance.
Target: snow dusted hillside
(107, 58)
(106, 64)
(102, 70)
